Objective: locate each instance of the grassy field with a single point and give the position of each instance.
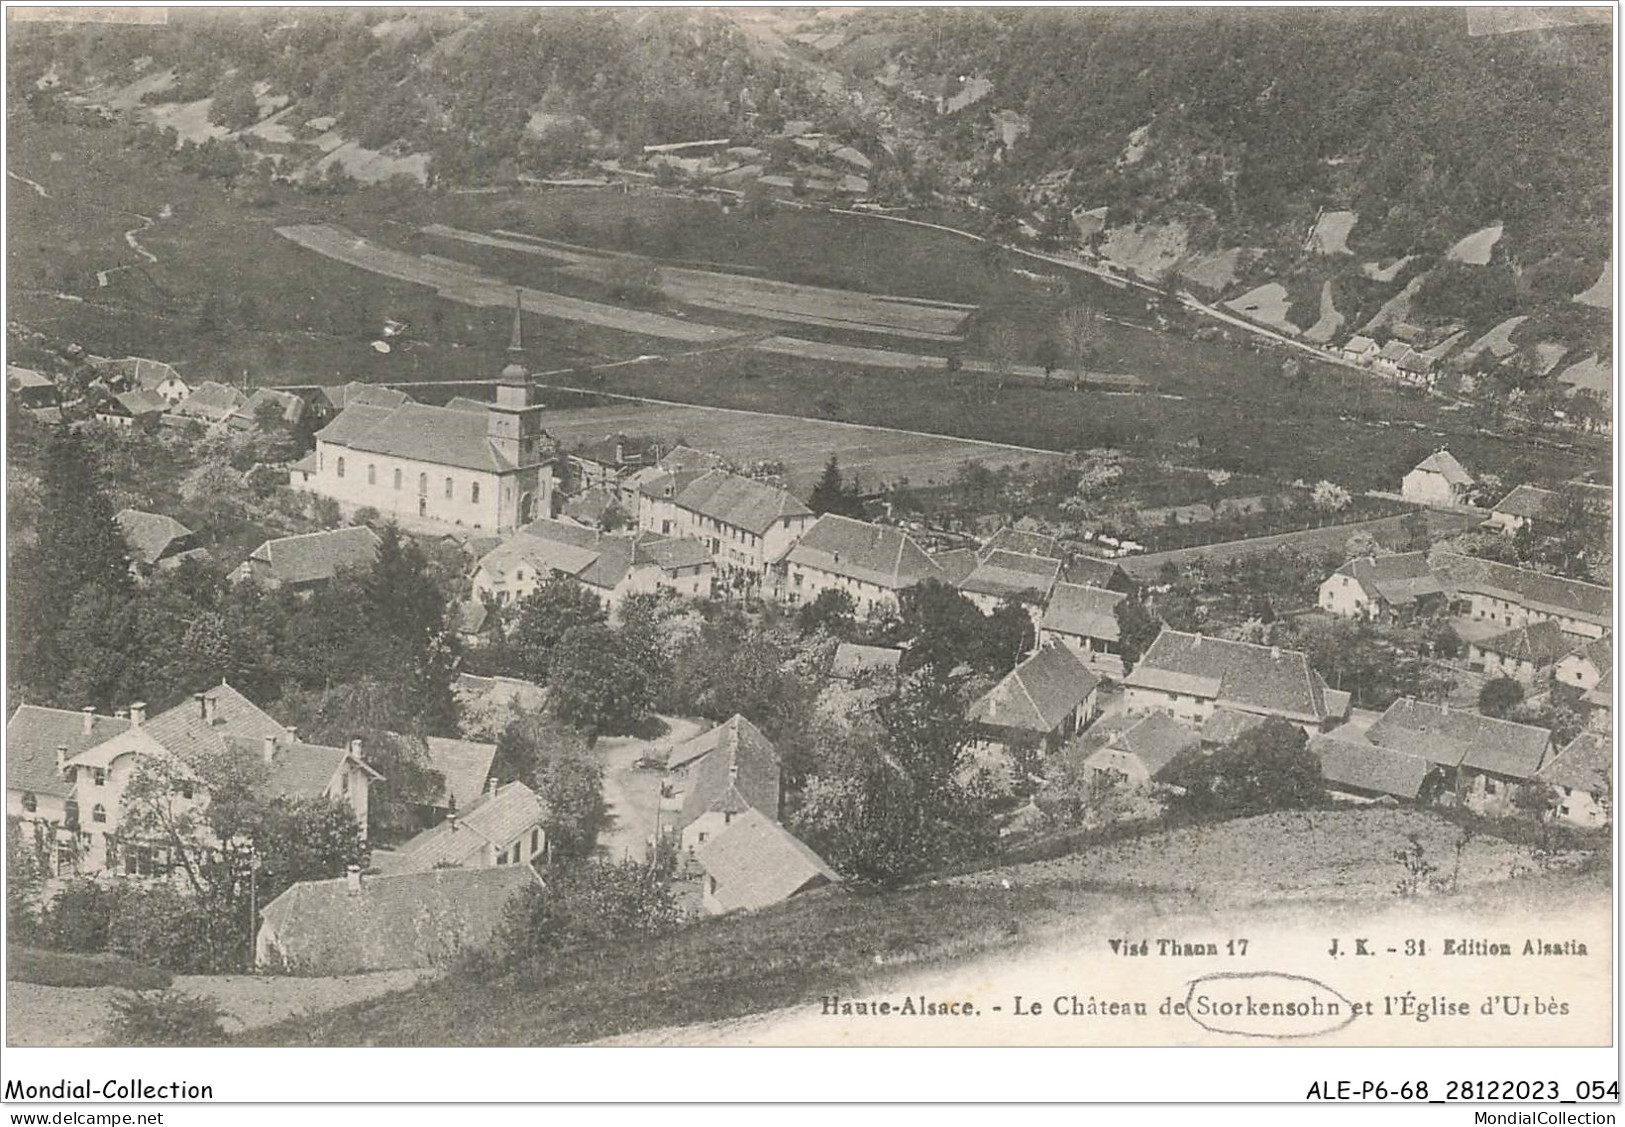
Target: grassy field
(838, 941)
(67, 969)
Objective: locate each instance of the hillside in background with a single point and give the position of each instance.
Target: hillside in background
(1412, 174)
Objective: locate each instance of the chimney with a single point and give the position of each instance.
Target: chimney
(62, 759)
(354, 747)
(87, 719)
(491, 786)
(202, 705)
(138, 712)
(268, 750)
(293, 733)
(352, 880)
(451, 820)
(208, 708)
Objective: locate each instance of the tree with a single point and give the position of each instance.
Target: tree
(596, 682)
(1007, 637)
(1137, 628)
(553, 760)
(588, 904)
(833, 495)
(1499, 697)
(544, 616)
(1267, 768)
(1330, 497)
(945, 627)
(1078, 332)
(833, 612)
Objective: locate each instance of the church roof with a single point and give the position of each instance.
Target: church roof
(420, 433)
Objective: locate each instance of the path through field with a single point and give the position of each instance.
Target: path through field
(633, 795)
(129, 237)
(34, 184)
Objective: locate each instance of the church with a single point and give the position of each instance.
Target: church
(488, 466)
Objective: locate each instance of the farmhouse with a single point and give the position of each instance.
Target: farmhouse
(1546, 509)
(155, 376)
(1085, 620)
(999, 576)
(503, 827)
(609, 566)
(1087, 571)
(1589, 666)
(1359, 349)
(156, 541)
(598, 507)
(754, 863)
(719, 775)
(209, 403)
(747, 524)
(1524, 653)
(128, 409)
(1354, 767)
(1042, 702)
(872, 563)
(310, 560)
(1191, 676)
(1513, 596)
(1382, 588)
(1438, 480)
(357, 924)
(33, 392)
(608, 461)
(1583, 775)
(328, 402)
(1133, 751)
(1486, 761)
(265, 404)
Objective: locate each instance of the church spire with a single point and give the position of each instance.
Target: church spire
(515, 371)
(515, 343)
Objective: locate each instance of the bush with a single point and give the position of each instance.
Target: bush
(60, 968)
(183, 933)
(78, 917)
(165, 1017)
(587, 904)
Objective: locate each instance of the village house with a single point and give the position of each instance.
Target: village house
(683, 461)
(33, 392)
(1133, 751)
(282, 407)
(133, 372)
(610, 566)
(1085, 620)
(157, 542)
(1547, 509)
(1041, 703)
(598, 507)
(1105, 575)
(131, 410)
(97, 760)
(607, 462)
(857, 664)
(503, 826)
(1509, 596)
(1360, 349)
(747, 524)
(1383, 588)
(1485, 761)
(488, 471)
(209, 403)
(357, 924)
(1588, 667)
(310, 560)
(1191, 676)
(1438, 481)
(754, 863)
(1355, 768)
(328, 402)
(1390, 355)
(1582, 775)
(1001, 576)
(467, 772)
(872, 563)
(718, 775)
(1524, 653)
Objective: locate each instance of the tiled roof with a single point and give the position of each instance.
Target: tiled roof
(739, 771)
(1586, 764)
(1399, 579)
(495, 822)
(1454, 736)
(1531, 589)
(1359, 344)
(318, 555)
(1531, 502)
(1540, 644)
(1348, 761)
(356, 393)
(468, 406)
(757, 862)
(688, 458)
(210, 400)
(421, 433)
(1039, 694)
(852, 660)
(662, 483)
(149, 535)
(1154, 740)
(19, 378)
(1087, 571)
(140, 402)
(1082, 612)
(393, 923)
(34, 733)
(353, 422)
(640, 452)
(871, 553)
(1007, 574)
(1599, 652)
(465, 765)
(588, 507)
(955, 565)
(1394, 350)
(1252, 678)
(292, 407)
(1226, 724)
(739, 502)
(1022, 543)
(184, 732)
(669, 553)
(1444, 462)
(298, 770)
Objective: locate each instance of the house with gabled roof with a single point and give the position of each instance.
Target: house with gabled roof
(1044, 701)
(1354, 767)
(1587, 667)
(1000, 575)
(872, 563)
(330, 401)
(1191, 676)
(1438, 480)
(1382, 588)
(1486, 761)
(34, 392)
(1544, 509)
(1085, 620)
(1360, 349)
(284, 406)
(131, 409)
(132, 372)
(504, 827)
(755, 863)
(1583, 777)
(311, 559)
(1090, 571)
(748, 525)
(609, 565)
(608, 461)
(1504, 595)
(1023, 543)
(210, 402)
(157, 541)
(597, 507)
(718, 775)
(1134, 751)
(40, 790)
(466, 769)
(1524, 653)
(359, 923)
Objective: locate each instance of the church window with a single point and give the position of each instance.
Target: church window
(423, 485)
(30, 803)
(474, 492)
(448, 489)
(397, 478)
(372, 474)
(341, 467)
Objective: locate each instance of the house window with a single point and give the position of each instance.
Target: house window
(30, 803)
(397, 478)
(99, 776)
(372, 474)
(474, 492)
(1489, 785)
(341, 467)
(665, 528)
(98, 813)
(448, 489)
(702, 839)
(535, 841)
(727, 817)
(186, 790)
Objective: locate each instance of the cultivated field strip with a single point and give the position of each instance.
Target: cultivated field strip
(914, 318)
(470, 287)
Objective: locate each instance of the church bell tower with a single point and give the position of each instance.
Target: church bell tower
(514, 423)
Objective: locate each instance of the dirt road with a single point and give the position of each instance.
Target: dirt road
(633, 795)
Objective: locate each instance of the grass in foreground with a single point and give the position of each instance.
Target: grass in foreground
(65, 968)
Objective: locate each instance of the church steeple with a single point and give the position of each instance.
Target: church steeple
(516, 346)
